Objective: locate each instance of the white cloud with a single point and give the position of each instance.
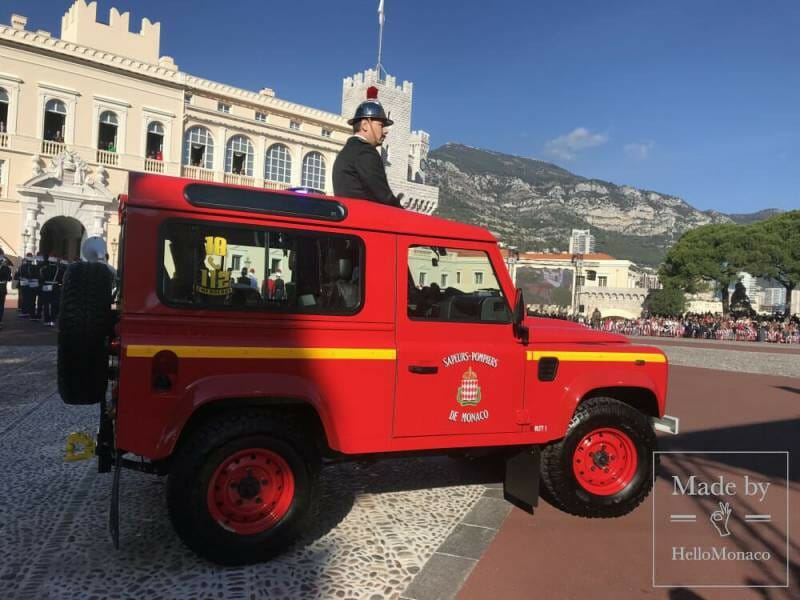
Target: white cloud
(566, 146)
(639, 151)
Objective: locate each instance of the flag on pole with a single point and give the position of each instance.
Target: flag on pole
(380, 13)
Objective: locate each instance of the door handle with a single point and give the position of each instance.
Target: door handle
(421, 370)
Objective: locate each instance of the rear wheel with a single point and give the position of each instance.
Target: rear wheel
(603, 467)
(243, 488)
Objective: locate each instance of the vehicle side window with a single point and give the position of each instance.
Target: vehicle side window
(275, 270)
(477, 299)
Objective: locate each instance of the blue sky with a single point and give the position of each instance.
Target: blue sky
(700, 99)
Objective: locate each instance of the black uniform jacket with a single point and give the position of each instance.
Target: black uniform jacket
(358, 172)
(5, 277)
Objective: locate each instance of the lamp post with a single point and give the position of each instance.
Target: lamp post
(26, 235)
(577, 262)
(114, 246)
(511, 261)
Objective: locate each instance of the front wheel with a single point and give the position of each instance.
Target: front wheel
(243, 488)
(603, 467)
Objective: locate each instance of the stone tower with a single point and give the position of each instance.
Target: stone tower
(404, 151)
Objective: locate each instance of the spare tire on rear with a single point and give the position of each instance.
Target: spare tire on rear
(84, 325)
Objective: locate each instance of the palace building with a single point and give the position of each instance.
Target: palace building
(80, 111)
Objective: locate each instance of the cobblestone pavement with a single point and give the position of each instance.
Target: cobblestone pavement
(380, 523)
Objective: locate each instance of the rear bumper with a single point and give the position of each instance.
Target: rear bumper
(666, 424)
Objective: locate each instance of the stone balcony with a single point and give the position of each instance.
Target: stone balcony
(105, 157)
(235, 179)
(51, 148)
(153, 166)
(198, 173)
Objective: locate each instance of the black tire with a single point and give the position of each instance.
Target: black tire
(195, 467)
(84, 325)
(562, 487)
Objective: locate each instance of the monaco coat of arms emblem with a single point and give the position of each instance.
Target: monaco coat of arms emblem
(469, 392)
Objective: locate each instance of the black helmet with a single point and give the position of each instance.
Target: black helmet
(370, 109)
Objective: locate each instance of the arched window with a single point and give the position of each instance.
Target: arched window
(278, 164)
(107, 131)
(56, 106)
(314, 171)
(239, 156)
(155, 140)
(3, 110)
(55, 117)
(198, 148)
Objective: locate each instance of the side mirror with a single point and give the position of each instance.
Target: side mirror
(520, 329)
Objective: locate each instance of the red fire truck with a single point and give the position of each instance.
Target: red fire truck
(257, 335)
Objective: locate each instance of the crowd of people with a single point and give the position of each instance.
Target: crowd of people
(774, 328)
(764, 328)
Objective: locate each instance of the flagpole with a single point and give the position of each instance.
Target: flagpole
(379, 66)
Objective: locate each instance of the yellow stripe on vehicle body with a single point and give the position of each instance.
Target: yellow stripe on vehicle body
(568, 356)
(144, 351)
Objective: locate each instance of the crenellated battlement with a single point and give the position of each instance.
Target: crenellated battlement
(79, 25)
(371, 77)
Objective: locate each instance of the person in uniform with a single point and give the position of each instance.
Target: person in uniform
(358, 171)
(5, 277)
(24, 291)
(35, 287)
(62, 269)
(49, 271)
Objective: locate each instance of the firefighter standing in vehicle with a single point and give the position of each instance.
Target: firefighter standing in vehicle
(358, 171)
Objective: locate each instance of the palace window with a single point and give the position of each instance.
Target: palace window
(602, 281)
(55, 117)
(239, 156)
(445, 277)
(278, 164)
(314, 171)
(3, 110)
(477, 278)
(294, 125)
(187, 98)
(107, 131)
(155, 141)
(224, 107)
(326, 133)
(261, 117)
(198, 148)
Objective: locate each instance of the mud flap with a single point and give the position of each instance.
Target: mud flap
(521, 483)
(113, 512)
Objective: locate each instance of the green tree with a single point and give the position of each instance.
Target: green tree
(667, 302)
(774, 251)
(712, 254)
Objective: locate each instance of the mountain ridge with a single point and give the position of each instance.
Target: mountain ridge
(534, 204)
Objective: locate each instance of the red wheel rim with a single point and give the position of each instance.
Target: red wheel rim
(604, 461)
(251, 491)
